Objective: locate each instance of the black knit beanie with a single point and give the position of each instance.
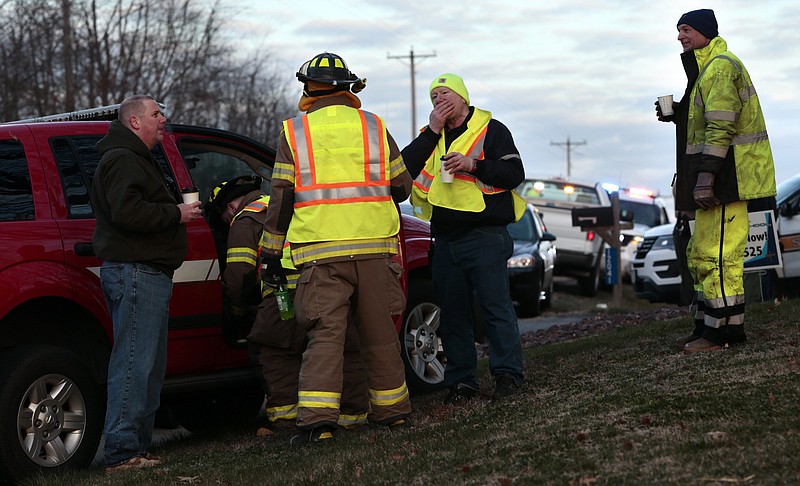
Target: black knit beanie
(702, 20)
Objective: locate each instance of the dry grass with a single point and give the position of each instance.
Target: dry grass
(622, 407)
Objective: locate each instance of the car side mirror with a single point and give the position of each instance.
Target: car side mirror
(547, 236)
(787, 209)
(625, 215)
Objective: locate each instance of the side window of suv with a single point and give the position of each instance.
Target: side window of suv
(16, 195)
(213, 163)
(77, 160)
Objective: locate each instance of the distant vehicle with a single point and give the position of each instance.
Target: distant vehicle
(648, 212)
(788, 200)
(655, 266)
(531, 267)
(656, 275)
(580, 253)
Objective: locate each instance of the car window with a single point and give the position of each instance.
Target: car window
(211, 164)
(524, 229)
(558, 191)
(788, 189)
(643, 213)
(16, 195)
(77, 160)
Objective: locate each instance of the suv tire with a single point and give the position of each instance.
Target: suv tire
(50, 403)
(420, 343)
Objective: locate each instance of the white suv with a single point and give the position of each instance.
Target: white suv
(655, 274)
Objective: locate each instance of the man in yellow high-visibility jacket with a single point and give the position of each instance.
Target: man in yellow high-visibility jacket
(469, 218)
(338, 174)
(724, 167)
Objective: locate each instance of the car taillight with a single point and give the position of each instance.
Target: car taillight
(590, 236)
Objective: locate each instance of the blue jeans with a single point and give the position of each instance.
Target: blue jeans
(138, 300)
(476, 263)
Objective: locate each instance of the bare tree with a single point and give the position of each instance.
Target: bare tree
(106, 50)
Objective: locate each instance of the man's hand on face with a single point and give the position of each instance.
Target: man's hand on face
(439, 115)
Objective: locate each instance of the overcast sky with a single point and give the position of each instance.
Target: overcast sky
(587, 70)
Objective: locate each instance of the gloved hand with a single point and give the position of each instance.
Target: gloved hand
(704, 191)
(667, 118)
(272, 272)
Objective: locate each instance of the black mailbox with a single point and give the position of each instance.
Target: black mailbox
(593, 217)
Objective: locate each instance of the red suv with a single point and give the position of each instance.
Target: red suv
(55, 331)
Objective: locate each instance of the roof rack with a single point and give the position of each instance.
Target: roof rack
(100, 113)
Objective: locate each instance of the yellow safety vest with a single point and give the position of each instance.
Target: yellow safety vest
(342, 192)
(466, 191)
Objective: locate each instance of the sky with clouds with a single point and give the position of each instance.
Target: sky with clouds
(584, 70)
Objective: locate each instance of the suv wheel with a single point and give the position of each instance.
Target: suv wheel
(422, 350)
(51, 412)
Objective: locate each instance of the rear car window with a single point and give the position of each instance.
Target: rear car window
(558, 191)
(16, 195)
(77, 160)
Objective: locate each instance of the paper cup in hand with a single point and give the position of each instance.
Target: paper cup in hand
(665, 102)
(190, 195)
(447, 177)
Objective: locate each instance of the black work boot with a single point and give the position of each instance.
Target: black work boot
(322, 433)
(506, 385)
(735, 334)
(461, 394)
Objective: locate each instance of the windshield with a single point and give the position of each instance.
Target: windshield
(643, 213)
(523, 229)
(787, 188)
(558, 191)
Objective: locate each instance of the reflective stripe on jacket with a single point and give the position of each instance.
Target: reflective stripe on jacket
(246, 253)
(724, 113)
(466, 191)
(342, 195)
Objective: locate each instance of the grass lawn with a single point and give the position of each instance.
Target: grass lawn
(622, 407)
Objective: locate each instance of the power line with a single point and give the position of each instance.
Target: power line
(411, 57)
(569, 144)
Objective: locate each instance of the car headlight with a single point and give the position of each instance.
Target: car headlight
(664, 243)
(521, 261)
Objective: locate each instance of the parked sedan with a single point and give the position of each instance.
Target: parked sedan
(531, 267)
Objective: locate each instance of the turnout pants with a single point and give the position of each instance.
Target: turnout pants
(368, 290)
(281, 353)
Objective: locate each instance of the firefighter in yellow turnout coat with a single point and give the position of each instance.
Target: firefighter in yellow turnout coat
(338, 174)
(279, 343)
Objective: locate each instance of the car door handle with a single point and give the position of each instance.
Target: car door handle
(84, 249)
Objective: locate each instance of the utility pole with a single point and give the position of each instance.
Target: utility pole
(411, 57)
(569, 144)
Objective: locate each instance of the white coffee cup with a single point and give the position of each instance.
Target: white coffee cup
(447, 177)
(190, 195)
(665, 102)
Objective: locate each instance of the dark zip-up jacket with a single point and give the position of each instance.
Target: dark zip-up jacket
(138, 220)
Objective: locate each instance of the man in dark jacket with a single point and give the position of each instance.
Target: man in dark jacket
(141, 239)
